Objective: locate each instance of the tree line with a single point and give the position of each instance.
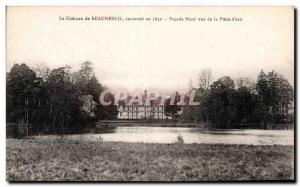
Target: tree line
(62, 99)
(268, 100)
(55, 100)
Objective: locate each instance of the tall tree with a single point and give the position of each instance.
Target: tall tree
(205, 78)
(221, 101)
(86, 73)
(21, 87)
(245, 103)
(64, 103)
(204, 86)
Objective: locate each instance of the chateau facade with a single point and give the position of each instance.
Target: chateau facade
(136, 110)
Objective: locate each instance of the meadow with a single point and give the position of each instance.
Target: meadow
(68, 160)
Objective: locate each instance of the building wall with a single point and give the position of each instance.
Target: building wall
(142, 112)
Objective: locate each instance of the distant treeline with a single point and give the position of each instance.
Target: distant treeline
(55, 99)
(268, 100)
(61, 99)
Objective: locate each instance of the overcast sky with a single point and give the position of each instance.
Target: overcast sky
(163, 55)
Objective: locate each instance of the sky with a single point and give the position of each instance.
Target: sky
(163, 55)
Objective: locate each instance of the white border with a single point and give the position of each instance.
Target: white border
(153, 2)
(4, 3)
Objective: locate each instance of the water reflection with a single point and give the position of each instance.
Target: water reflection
(191, 135)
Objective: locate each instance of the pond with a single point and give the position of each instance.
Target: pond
(190, 135)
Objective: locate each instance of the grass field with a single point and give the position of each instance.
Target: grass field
(63, 160)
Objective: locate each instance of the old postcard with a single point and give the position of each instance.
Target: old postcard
(150, 94)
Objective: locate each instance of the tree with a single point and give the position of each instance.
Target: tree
(107, 112)
(275, 97)
(246, 83)
(56, 100)
(64, 105)
(245, 103)
(204, 86)
(286, 97)
(172, 108)
(89, 86)
(22, 85)
(42, 71)
(193, 113)
(86, 73)
(263, 96)
(205, 78)
(221, 105)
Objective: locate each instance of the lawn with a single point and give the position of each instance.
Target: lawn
(65, 160)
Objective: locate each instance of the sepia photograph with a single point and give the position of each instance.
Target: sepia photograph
(150, 94)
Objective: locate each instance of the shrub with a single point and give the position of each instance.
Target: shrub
(179, 140)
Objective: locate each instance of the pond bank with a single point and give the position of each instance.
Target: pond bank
(14, 130)
(203, 125)
(61, 159)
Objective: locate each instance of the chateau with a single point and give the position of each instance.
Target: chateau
(141, 110)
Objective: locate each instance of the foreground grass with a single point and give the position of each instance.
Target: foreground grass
(63, 160)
